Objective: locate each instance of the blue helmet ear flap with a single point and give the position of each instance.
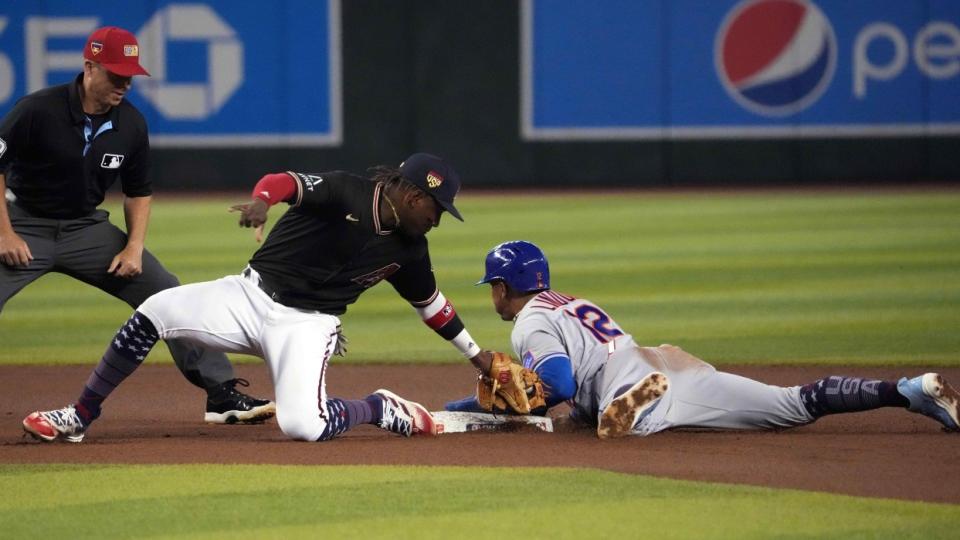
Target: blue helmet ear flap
(520, 264)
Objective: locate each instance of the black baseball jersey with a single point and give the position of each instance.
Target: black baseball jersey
(330, 247)
(56, 167)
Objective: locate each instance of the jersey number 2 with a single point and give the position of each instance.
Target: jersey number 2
(597, 322)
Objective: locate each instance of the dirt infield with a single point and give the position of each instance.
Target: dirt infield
(156, 417)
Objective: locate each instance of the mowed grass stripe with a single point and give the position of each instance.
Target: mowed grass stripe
(213, 501)
(847, 277)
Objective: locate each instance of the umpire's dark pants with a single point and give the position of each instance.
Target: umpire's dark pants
(83, 248)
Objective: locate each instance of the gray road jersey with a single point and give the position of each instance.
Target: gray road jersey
(553, 324)
(606, 359)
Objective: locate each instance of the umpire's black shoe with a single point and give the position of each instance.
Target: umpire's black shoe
(227, 405)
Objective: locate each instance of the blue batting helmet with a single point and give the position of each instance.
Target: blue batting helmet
(521, 264)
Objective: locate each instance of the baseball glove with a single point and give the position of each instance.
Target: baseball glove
(510, 387)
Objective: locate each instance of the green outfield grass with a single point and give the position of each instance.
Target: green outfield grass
(854, 278)
(849, 278)
(229, 502)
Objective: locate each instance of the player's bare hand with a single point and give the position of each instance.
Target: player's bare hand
(14, 251)
(128, 263)
(482, 361)
(253, 214)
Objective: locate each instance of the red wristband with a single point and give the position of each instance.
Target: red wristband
(442, 317)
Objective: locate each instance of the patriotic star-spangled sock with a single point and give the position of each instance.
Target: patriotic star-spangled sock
(836, 394)
(346, 413)
(126, 352)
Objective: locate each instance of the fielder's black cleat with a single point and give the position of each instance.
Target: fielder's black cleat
(227, 405)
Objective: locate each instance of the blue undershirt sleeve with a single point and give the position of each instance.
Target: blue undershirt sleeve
(556, 373)
(467, 404)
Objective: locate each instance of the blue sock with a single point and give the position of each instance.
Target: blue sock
(375, 403)
(836, 394)
(126, 352)
(346, 413)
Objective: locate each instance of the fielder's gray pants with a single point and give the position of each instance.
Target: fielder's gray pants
(83, 249)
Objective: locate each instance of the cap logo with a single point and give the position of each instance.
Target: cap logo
(96, 47)
(131, 50)
(434, 180)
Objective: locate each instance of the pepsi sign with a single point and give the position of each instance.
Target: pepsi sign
(775, 57)
(688, 69)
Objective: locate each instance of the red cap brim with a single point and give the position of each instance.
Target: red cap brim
(125, 70)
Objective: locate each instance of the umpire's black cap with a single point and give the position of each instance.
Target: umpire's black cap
(435, 176)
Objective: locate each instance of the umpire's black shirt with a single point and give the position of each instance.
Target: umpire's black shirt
(330, 247)
(45, 164)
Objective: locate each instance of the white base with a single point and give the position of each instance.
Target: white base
(459, 422)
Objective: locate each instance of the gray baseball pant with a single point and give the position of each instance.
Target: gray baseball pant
(83, 249)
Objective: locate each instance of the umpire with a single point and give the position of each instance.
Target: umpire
(61, 148)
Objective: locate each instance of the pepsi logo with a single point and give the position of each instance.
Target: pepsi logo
(775, 57)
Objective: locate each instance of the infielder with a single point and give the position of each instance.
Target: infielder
(342, 235)
(582, 355)
(61, 148)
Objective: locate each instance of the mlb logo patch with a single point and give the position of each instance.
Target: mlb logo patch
(111, 161)
(131, 50)
(96, 47)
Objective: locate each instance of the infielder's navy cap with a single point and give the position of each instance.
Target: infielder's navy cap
(435, 176)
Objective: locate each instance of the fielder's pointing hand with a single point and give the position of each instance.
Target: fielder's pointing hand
(253, 214)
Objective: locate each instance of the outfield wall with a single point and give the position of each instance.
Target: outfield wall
(527, 93)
